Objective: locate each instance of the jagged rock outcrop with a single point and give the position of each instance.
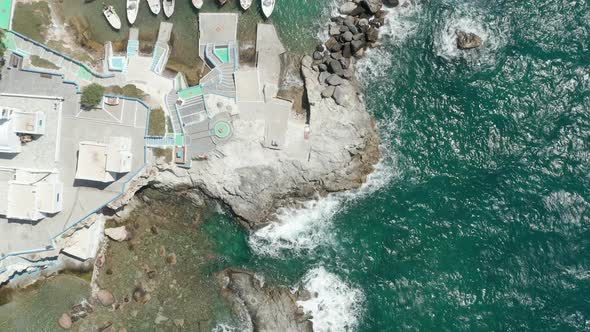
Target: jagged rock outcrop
(468, 40)
(338, 156)
(267, 309)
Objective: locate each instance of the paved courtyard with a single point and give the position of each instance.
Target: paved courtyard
(57, 150)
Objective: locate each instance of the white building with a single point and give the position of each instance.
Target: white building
(14, 122)
(101, 162)
(30, 194)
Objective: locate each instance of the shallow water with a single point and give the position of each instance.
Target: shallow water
(39, 307)
(298, 31)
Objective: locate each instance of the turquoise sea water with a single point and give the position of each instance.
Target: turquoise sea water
(478, 218)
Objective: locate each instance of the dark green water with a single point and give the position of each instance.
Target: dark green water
(478, 218)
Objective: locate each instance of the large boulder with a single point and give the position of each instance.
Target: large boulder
(391, 3)
(372, 35)
(347, 7)
(468, 40)
(117, 234)
(357, 45)
(372, 6)
(328, 92)
(347, 36)
(334, 80)
(346, 51)
(339, 96)
(105, 297)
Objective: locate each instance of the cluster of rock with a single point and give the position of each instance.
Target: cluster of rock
(85, 308)
(350, 35)
(78, 311)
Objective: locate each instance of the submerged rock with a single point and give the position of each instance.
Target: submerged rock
(171, 259)
(468, 40)
(65, 321)
(391, 3)
(105, 297)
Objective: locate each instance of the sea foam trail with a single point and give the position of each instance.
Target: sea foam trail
(299, 230)
(338, 306)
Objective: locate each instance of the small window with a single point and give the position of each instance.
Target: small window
(58, 198)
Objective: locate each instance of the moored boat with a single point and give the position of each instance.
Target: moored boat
(154, 6)
(168, 7)
(267, 7)
(112, 17)
(245, 4)
(132, 9)
(198, 3)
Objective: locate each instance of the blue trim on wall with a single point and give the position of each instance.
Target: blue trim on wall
(125, 184)
(93, 73)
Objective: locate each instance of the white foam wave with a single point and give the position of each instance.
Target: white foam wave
(302, 229)
(468, 20)
(297, 228)
(402, 23)
(331, 10)
(222, 327)
(337, 307)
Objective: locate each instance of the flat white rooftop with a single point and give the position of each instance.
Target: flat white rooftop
(65, 127)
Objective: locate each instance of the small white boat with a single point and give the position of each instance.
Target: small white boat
(267, 7)
(132, 9)
(198, 3)
(168, 7)
(245, 4)
(154, 6)
(112, 17)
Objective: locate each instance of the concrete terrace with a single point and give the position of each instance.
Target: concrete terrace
(71, 69)
(203, 113)
(57, 150)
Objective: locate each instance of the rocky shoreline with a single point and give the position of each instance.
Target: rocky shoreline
(344, 147)
(344, 144)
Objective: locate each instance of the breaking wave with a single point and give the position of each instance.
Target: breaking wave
(402, 23)
(338, 305)
(300, 230)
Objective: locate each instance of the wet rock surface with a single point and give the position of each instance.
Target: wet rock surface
(468, 40)
(269, 309)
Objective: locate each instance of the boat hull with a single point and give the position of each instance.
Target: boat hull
(132, 9)
(197, 3)
(154, 6)
(268, 7)
(168, 7)
(245, 4)
(112, 18)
